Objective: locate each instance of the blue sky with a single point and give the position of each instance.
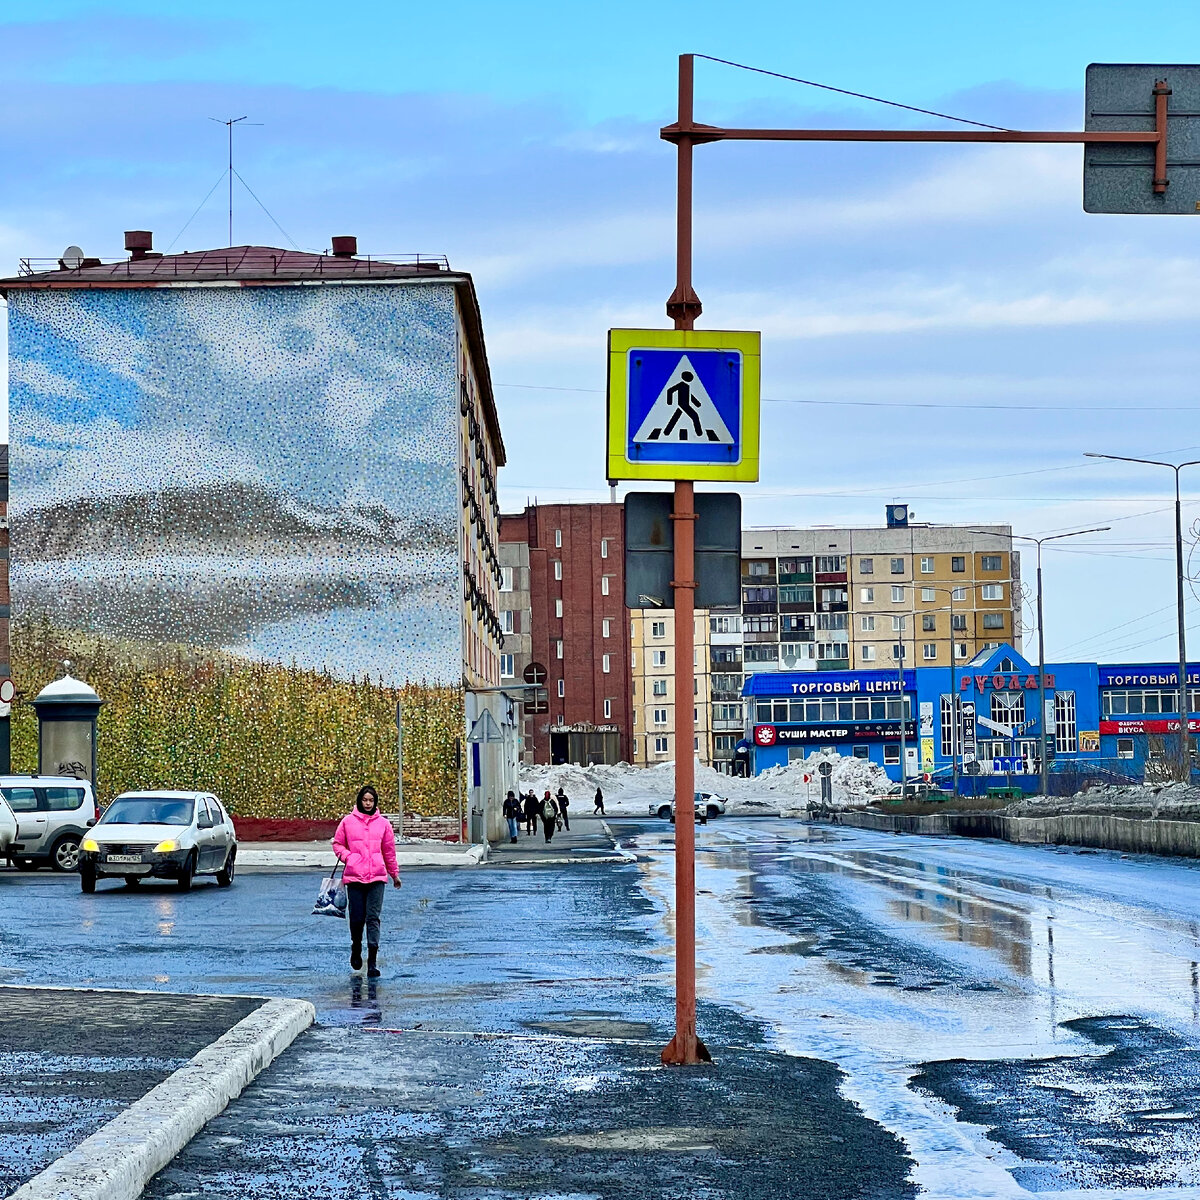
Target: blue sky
(940, 325)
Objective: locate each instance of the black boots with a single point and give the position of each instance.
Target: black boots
(356, 955)
(373, 971)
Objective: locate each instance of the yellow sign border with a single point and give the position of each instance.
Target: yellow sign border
(621, 341)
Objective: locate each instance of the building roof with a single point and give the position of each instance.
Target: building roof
(263, 266)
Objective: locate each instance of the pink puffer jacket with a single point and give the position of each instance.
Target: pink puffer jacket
(367, 846)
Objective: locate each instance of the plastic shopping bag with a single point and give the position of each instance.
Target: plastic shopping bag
(331, 899)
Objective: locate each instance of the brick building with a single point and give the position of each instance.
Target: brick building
(562, 603)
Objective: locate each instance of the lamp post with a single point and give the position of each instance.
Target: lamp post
(1043, 757)
(1183, 684)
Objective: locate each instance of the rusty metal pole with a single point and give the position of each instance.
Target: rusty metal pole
(683, 307)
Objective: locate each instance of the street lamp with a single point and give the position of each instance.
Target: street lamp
(1043, 757)
(1183, 685)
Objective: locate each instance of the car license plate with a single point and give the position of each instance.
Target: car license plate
(124, 858)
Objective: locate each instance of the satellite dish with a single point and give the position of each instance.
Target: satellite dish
(72, 259)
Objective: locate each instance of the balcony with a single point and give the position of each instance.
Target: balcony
(831, 577)
(805, 606)
(726, 694)
(760, 580)
(758, 607)
(723, 726)
(767, 635)
(801, 577)
(832, 606)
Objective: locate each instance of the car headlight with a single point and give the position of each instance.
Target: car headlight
(90, 846)
(166, 847)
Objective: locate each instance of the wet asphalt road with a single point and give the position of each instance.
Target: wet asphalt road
(980, 1019)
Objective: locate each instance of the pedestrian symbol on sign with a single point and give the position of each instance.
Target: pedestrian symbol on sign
(683, 411)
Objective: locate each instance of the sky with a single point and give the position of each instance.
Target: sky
(941, 325)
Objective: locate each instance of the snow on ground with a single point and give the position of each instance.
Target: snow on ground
(629, 790)
(1165, 801)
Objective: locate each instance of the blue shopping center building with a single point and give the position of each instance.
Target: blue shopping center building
(1102, 722)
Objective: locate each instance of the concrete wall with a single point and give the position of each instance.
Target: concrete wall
(1103, 833)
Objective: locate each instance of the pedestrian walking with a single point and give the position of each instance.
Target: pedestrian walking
(366, 845)
(599, 802)
(512, 814)
(532, 809)
(563, 804)
(549, 815)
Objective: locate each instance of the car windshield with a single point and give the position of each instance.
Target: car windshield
(148, 810)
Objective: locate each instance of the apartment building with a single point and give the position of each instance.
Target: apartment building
(860, 598)
(652, 659)
(562, 609)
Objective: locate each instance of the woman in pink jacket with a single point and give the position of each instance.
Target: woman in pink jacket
(365, 843)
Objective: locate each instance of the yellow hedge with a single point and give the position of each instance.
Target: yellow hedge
(271, 741)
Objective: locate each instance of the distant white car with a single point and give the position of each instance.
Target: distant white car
(707, 804)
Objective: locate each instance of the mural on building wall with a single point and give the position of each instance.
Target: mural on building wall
(251, 479)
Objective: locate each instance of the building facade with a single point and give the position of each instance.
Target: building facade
(652, 633)
(860, 599)
(265, 480)
(563, 575)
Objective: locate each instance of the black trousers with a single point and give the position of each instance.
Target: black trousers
(365, 907)
(566, 819)
(548, 824)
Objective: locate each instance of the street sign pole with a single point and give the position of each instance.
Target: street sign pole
(685, 1048)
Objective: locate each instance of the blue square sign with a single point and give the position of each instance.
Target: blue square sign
(684, 405)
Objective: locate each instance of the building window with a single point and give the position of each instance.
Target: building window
(830, 564)
(958, 563)
(506, 579)
(660, 716)
(635, 743)
(562, 688)
(832, 620)
(759, 568)
(1008, 708)
(960, 649)
(1124, 747)
(898, 624)
(558, 608)
(897, 566)
(507, 668)
(992, 562)
(867, 623)
(867, 595)
(604, 547)
(898, 651)
(928, 595)
(867, 653)
(794, 593)
(993, 620)
(558, 648)
(948, 705)
(763, 652)
(958, 593)
(608, 710)
(929, 650)
(606, 628)
(992, 591)
(558, 568)
(508, 620)
(897, 595)
(958, 622)
(725, 624)
(658, 629)
(926, 566)
(659, 687)
(891, 755)
(1065, 740)
(605, 663)
(604, 585)
(660, 745)
(558, 538)
(658, 658)
(866, 566)
(928, 623)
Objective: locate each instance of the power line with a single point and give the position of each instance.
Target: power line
(929, 112)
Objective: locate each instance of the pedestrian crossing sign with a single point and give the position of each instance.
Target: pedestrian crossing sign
(683, 404)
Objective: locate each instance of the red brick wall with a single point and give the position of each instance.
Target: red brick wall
(585, 607)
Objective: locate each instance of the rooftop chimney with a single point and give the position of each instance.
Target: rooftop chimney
(139, 242)
(344, 247)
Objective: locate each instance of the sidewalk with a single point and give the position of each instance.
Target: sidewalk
(588, 840)
(303, 856)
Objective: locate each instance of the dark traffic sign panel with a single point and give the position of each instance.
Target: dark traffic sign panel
(1119, 177)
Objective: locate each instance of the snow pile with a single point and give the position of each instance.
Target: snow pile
(1167, 802)
(629, 790)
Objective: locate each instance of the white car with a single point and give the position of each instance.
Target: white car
(163, 835)
(8, 827)
(53, 812)
(707, 804)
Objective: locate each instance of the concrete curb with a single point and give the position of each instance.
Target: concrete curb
(620, 857)
(119, 1159)
(251, 859)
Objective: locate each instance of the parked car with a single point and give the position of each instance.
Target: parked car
(161, 835)
(8, 828)
(707, 804)
(52, 812)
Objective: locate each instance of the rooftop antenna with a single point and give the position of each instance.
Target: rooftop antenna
(230, 122)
